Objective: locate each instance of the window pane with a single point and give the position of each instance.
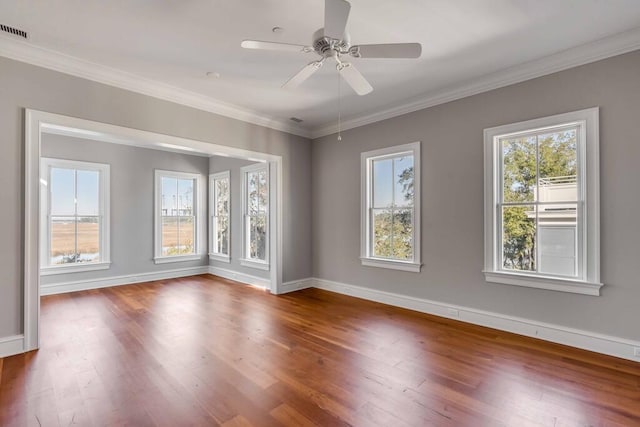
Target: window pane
(88, 192)
(558, 239)
(519, 238)
(403, 180)
(519, 169)
(186, 235)
(263, 193)
(222, 235)
(169, 235)
(169, 196)
(185, 197)
(258, 237)
(558, 166)
(222, 196)
(63, 240)
(88, 239)
(382, 183)
(402, 234)
(252, 192)
(62, 191)
(382, 233)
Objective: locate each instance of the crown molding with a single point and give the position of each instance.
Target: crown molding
(26, 52)
(607, 47)
(600, 49)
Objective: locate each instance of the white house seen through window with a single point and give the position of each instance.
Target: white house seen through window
(540, 199)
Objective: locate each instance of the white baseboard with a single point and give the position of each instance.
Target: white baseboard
(11, 345)
(613, 346)
(296, 285)
(240, 277)
(83, 285)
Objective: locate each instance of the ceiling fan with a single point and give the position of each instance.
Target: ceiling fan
(333, 41)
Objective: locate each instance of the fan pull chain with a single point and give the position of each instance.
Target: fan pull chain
(339, 105)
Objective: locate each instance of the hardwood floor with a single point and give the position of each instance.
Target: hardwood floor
(207, 351)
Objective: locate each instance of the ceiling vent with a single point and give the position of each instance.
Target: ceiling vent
(295, 119)
(14, 31)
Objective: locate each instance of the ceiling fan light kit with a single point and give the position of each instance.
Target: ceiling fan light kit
(332, 42)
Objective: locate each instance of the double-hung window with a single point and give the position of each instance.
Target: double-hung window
(255, 185)
(220, 209)
(176, 216)
(542, 203)
(74, 216)
(390, 234)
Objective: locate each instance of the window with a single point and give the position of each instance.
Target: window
(542, 203)
(74, 216)
(390, 235)
(176, 219)
(219, 205)
(255, 184)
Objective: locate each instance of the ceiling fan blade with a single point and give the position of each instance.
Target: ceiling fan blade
(257, 44)
(303, 75)
(336, 14)
(390, 50)
(353, 77)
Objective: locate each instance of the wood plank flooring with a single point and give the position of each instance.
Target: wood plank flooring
(207, 351)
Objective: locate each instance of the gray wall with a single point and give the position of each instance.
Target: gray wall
(221, 164)
(131, 201)
(452, 198)
(26, 86)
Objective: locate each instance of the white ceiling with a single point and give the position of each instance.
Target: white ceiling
(177, 42)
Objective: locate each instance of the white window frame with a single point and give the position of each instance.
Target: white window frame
(588, 212)
(45, 213)
(246, 260)
(366, 177)
(213, 254)
(159, 258)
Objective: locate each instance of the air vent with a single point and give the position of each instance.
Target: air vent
(14, 31)
(295, 119)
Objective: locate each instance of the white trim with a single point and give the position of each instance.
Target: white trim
(592, 341)
(218, 256)
(221, 258)
(597, 50)
(177, 258)
(42, 57)
(366, 195)
(197, 213)
(37, 122)
(544, 282)
(412, 267)
(247, 279)
(74, 268)
(105, 282)
(297, 285)
(252, 263)
(607, 47)
(587, 280)
(11, 345)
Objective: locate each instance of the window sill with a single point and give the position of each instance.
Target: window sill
(260, 265)
(394, 265)
(176, 258)
(542, 282)
(76, 268)
(219, 257)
